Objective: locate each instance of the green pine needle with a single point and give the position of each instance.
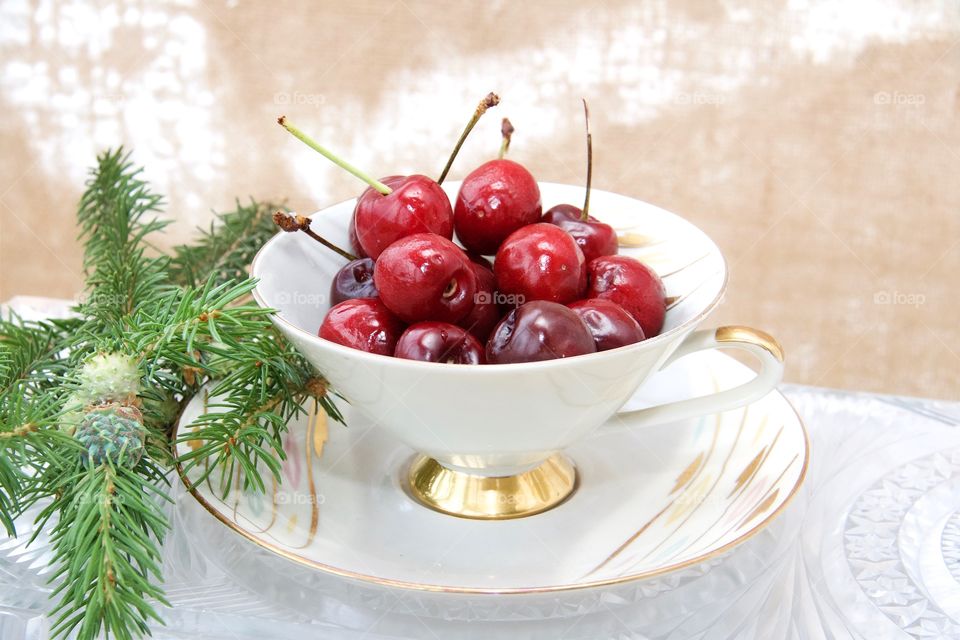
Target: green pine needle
(116, 214)
(30, 366)
(109, 522)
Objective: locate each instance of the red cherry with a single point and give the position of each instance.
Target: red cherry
(495, 200)
(609, 323)
(536, 331)
(353, 280)
(632, 285)
(425, 277)
(389, 210)
(486, 312)
(439, 342)
(354, 240)
(541, 262)
(364, 324)
(417, 204)
(594, 238)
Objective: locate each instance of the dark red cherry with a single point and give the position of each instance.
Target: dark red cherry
(541, 262)
(632, 285)
(417, 204)
(439, 342)
(608, 322)
(486, 312)
(364, 324)
(426, 277)
(594, 238)
(495, 200)
(539, 330)
(354, 280)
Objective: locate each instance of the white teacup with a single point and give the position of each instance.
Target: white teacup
(490, 437)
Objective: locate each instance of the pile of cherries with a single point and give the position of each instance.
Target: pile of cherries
(556, 287)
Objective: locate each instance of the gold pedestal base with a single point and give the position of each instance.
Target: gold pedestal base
(491, 498)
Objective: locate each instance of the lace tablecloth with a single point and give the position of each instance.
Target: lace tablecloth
(870, 549)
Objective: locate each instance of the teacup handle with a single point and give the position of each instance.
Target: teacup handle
(761, 344)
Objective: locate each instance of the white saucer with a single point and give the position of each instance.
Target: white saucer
(649, 500)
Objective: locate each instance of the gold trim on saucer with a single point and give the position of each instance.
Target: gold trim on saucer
(285, 552)
(478, 497)
(737, 333)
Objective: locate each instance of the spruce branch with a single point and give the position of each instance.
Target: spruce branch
(25, 451)
(108, 525)
(226, 248)
(31, 361)
(263, 387)
(116, 215)
(78, 395)
(31, 353)
(108, 530)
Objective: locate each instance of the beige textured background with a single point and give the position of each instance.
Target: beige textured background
(816, 141)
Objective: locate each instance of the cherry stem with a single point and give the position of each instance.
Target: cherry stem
(586, 197)
(343, 164)
(490, 100)
(294, 223)
(506, 130)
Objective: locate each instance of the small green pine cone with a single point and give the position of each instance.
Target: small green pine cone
(108, 377)
(112, 432)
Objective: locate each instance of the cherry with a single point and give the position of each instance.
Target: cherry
(353, 280)
(594, 237)
(390, 209)
(486, 312)
(354, 240)
(539, 330)
(425, 277)
(541, 262)
(496, 199)
(439, 342)
(415, 204)
(362, 323)
(609, 323)
(632, 285)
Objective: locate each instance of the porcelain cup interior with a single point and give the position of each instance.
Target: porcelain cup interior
(494, 419)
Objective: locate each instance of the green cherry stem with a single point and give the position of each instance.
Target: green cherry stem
(294, 223)
(586, 197)
(490, 100)
(313, 144)
(506, 130)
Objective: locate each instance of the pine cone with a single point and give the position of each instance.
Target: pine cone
(108, 377)
(112, 432)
